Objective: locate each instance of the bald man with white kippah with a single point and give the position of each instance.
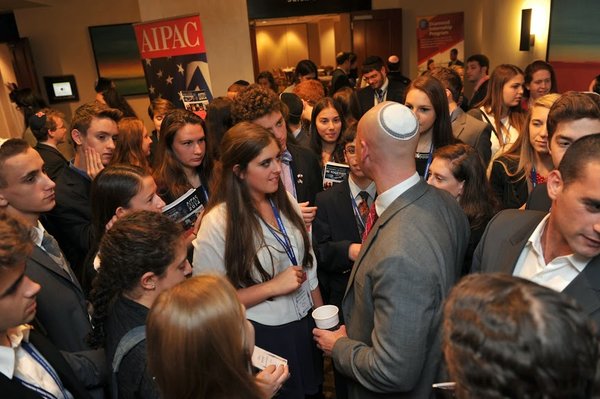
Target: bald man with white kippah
(390, 345)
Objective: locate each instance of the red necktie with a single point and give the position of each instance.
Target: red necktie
(363, 207)
(371, 219)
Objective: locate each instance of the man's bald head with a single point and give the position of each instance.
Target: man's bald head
(389, 132)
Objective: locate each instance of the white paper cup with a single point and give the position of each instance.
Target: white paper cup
(326, 317)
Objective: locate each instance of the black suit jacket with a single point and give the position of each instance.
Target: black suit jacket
(306, 172)
(62, 316)
(333, 230)
(538, 199)
(70, 220)
(396, 91)
(339, 79)
(479, 94)
(502, 244)
(54, 161)
(12, 389)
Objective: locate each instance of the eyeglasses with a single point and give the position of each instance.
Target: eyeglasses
(350, 150)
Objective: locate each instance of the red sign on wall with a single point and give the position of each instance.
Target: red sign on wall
(169, 38)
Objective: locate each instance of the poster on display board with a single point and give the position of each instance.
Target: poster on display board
(174, 60)
(437, 35)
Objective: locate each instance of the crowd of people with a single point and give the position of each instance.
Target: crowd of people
(460, 247)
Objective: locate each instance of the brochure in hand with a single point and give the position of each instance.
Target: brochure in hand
(185, 209)
(335, 172)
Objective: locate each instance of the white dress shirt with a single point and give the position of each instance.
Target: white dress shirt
(558, 273)
(386, 198)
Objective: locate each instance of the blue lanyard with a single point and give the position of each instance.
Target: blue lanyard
(285, 242)
(204, 191)
(428, 161)
(356, 212)
(533, 177)
(42, 362)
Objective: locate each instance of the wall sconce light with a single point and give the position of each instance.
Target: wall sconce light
(527, 39)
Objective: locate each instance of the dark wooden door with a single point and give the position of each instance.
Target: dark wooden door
(377, 32)
(23, 65)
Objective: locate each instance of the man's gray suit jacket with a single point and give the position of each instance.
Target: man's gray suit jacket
(393, 303)
(503, 241)
(474, 132)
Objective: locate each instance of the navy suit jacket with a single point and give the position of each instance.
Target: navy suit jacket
(502, 244)
(54, 161)
(306, 172)
(12, 389)
(333, 230)
(70, 220)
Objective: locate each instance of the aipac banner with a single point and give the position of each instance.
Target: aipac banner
(174, 58)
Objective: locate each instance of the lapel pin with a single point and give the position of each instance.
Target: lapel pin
(300, 178)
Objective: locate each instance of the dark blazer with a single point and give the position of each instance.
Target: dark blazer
(54, 161)
(474, 132)
(333, 230)
(70, 220)
(396, 91)
(394, 300)
(12, 389)
(502, 244)
(538, 199)
(479, 94)
(306, 172)
(63, 318)
(339, 79)
(511, 192)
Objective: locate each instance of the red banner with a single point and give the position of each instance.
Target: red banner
(170, 38)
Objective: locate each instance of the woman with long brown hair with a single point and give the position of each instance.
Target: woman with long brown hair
(426, 97)
(253, 232)
(501, 107)
(133, 146)
(184, 156)
(200, 343)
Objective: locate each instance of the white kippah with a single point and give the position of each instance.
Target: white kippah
(397, 121)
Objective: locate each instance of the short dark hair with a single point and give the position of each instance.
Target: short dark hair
(9, 149)
(372, 63)
(507, 337)
(481, 59)
(571, 106)
(342, 57)
(455, 51)
(450, 80)
(582, 152)
(16, 242)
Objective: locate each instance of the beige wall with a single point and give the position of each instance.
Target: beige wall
(226, 34)
(281, 45)
(491, 27)
(11, 119)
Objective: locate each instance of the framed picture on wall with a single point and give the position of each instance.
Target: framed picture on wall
(118, 58)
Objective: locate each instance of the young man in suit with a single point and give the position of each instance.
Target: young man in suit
(477, 72)
(573, 116)
(94, 131)
(26, 192)
(339, 77)
(467, 129)
(379, 88)
(390, 346)
(337, 233)
(48, 127)
(300, 170)
(559, 250)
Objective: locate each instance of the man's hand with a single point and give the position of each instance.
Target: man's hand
(353, 251)
(271, 379)
(326, 339)
(308, 213)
